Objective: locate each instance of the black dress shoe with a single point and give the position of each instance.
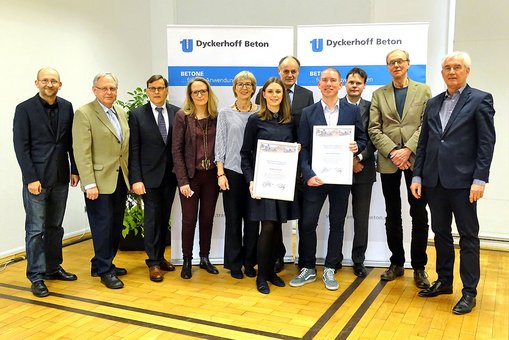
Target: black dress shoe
(421, 279)
(166, 265)
(392, 272)
(112, 281)
(186, 272)
(359, 270)
(438, 288)
(118, 272)
(237, 274)
(262, 286)
(464, 305)
(209, 267)
(39, 289)
(279, 265)
(60, 274)
(250, 271)
(277, 281)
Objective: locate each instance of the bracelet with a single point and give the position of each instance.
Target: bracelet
(221, 175)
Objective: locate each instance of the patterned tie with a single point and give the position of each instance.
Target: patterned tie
(161, 124)
(112, 116)
(289, 91)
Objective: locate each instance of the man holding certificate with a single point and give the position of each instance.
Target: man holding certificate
(327, 121)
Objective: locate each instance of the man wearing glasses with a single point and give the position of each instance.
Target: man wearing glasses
(43, 145)
(395, 123)
(150, 170)
(101, 145)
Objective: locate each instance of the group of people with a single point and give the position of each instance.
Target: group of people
(443, 146)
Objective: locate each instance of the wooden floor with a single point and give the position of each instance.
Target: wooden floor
(218, 306)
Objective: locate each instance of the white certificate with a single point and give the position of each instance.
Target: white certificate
(332, 159)
(275, 170)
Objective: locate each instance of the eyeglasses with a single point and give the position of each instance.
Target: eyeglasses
(48, 81)
(158, 89)
(246, 85)
(106, 89)
(396, 61)
(199, 92)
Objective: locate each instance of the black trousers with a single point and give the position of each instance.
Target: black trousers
(157, 205)
(361, 202)
(394, 225)
(239, 247)
(444, 203)
(106, 216)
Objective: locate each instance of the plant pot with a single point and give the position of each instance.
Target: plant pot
(131, 242)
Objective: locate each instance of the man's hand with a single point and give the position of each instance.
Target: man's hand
(357, 166)
(75, 179)
(416, 188)
(138, 188)
(92, 193)
(353, 147)
(314, 181)
(35, 188)
(400, 157)
(476, 192)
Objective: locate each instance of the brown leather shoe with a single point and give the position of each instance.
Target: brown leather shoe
(155, 274)
(166, 265)
(421, 279)
(393, 272)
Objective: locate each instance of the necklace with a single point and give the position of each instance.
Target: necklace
(205, 163)
(250, 107)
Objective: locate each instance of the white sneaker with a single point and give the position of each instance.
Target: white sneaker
(329, 280)
(306, 275)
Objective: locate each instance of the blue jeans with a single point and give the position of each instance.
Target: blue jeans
(43, 230)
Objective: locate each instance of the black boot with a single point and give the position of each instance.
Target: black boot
(186, 268)
(209, 267)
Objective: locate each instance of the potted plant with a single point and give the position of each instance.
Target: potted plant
(133, 232)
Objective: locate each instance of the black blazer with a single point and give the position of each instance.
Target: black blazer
(149, 156)
(302, 98)
(368, 173)
(313, 115)
(463, 150)
(43, 154)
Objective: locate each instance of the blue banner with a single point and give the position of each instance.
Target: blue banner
(217, 75)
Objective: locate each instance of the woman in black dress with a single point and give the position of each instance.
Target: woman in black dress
(272, 122)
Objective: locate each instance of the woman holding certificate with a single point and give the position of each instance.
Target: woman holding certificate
(273, 122)
(239, 248)
(194, 133)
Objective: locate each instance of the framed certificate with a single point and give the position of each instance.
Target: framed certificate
(275, 170)
(332, 159)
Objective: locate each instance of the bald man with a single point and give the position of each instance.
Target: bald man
(43, 145)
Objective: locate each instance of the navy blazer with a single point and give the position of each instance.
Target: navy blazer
(43, 154)
(149, 156)
(368, 173)
(462, 151)
(313, 115)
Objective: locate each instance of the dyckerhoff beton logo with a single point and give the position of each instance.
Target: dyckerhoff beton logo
(318, 43)
(188, 44)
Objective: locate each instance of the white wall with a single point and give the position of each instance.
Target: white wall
(79, 39)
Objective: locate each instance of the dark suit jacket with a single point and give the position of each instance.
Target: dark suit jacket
(302, 98)
(313, 115)
(43, 154)
(463, 150)
(149, 156)
(368, 173)
(184, 147)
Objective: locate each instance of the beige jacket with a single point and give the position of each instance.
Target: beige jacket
(388, 131)
(97, 151)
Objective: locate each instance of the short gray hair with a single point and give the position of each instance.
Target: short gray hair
(105, 74)
(463, 56)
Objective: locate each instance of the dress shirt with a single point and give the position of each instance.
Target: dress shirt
(164, 112)
(331, 116)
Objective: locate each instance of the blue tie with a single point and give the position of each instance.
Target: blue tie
(112, 116)
(161, 124)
